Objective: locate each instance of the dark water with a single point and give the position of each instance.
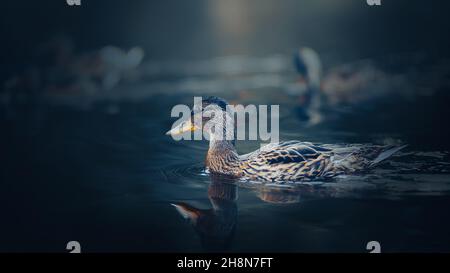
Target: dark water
(104, 173)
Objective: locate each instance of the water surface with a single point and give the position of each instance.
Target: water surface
(101, 171)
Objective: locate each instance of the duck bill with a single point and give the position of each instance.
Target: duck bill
(182, 128)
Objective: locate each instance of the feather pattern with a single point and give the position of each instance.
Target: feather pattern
(286, 161)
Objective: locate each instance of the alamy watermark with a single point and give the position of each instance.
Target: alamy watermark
(73, 2)
(374, 247)
(373, 2)
(74, 247)
(214, 122)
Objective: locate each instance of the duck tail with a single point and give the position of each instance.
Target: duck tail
(367, 157)
(386, 154)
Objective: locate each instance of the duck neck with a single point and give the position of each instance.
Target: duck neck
(222, 156)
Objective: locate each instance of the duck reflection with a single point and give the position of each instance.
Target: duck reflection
(278, 195)
(215, 226)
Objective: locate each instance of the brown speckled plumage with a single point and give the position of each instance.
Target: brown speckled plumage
(287, 161)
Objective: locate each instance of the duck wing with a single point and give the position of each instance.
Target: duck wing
(296, 161)
(285, 161)
(306, 148)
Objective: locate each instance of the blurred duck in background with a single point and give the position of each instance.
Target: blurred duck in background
(309, 67)
(56, 70)
(347, 85)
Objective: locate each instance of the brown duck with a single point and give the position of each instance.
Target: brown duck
(276, 162)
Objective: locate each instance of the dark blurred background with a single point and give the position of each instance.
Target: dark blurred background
(201, 29)
(401, 35)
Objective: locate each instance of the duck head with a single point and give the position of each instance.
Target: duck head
(309, 67)
(213, 118)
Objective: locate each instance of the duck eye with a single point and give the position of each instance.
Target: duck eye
(209, 114)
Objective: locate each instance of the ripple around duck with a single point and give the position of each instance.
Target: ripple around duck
(405, 174)
(180, 173)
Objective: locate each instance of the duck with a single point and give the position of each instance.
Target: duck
(57, 71)
(349, 84)
(287, 161)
